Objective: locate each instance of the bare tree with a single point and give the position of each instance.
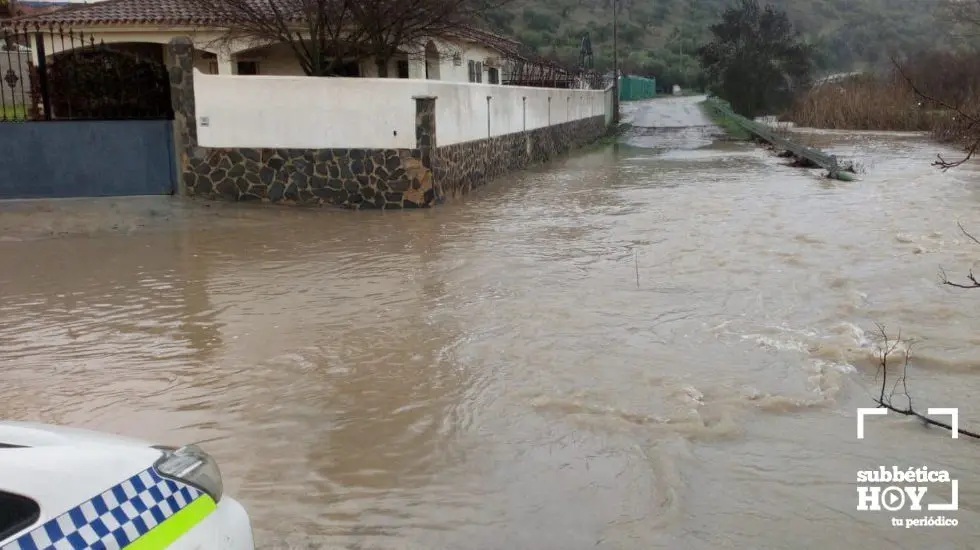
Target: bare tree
(973, 282)
(324, 35)
(395, 26)
(886, 397)
(320, 33)
(955, 97)
(962, 123)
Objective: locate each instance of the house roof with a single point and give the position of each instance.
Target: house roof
(187, 13)
(123, 12)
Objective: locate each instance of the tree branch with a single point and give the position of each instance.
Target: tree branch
(325, 34)
(974, 282)
(885, 348)
(968, 128)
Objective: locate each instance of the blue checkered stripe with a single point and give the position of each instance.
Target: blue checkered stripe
(113, 519)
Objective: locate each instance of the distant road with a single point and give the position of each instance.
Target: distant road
(666, 112)
(835, 77)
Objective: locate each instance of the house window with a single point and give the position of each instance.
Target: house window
(248, 67)
(403, 68)
(493, 76)
(476, 71)
(345, 69)
(212, 67)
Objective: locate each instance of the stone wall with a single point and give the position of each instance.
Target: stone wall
(461, 167)
(354, 178)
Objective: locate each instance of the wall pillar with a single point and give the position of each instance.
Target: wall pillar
(226, 64)
(425, 122)
(181, 69)
(425, 142)
(416, 67)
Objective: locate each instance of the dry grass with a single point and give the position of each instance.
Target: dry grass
(945, 82)
(866, 102)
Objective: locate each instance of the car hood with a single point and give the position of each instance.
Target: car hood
(60, 467)
(33, 434)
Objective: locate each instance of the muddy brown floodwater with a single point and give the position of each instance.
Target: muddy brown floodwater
(655, 345)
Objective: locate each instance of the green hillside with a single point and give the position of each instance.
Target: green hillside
(660, 37)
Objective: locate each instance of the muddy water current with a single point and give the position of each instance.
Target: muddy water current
(659, 344)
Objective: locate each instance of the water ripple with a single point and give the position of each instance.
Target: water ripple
(615, 348)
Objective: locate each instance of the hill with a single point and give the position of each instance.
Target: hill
(660, 37)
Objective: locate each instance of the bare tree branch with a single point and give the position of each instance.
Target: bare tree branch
(886, 348)
(968, 128)
(967, 233)
(974, 282)
(327, 36)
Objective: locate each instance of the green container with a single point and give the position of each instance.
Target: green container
(633, 88)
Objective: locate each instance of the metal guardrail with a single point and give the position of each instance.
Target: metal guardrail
(766, 133)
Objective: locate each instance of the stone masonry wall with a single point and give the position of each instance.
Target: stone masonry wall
(461, 167)
(354, 178)
(351, 178)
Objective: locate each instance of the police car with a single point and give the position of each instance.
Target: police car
(67, 489)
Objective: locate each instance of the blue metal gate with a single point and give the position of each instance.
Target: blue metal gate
(88, 121)
(86, 158)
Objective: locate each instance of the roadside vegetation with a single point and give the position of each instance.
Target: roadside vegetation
(918, 94)
(731, 129)
(760, 63)
(661, 38)
(756, 59)
(861, 102)
(935, 92)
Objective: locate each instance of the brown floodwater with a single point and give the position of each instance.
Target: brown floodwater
(655, 345)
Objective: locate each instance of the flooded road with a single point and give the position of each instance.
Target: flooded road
(638, 347)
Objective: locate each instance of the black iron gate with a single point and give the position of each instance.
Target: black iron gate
(84, 79)
(79, 117)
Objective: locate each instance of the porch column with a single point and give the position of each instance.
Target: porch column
(425, 123)
(225, 63)
(181, 69)
(416, 67)
(425, 142)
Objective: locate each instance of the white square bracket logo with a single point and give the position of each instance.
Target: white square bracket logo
(953, 413)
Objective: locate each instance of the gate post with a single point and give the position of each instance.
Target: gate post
(425, 121)
(425, 142)
(42, 76)
(181, 68)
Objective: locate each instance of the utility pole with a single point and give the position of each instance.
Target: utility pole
(615, 117)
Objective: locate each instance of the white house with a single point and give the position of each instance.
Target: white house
(145, 26)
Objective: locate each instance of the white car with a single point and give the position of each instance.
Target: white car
(67, 489)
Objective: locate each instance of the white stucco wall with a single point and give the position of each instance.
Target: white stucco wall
(610, 104)
(303, 112)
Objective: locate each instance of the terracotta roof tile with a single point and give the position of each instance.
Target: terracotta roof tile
(124, 12)
(186, 13)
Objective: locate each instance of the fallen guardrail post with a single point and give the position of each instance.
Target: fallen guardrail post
(761, 132)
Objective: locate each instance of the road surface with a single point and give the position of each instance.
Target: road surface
(666, 112)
